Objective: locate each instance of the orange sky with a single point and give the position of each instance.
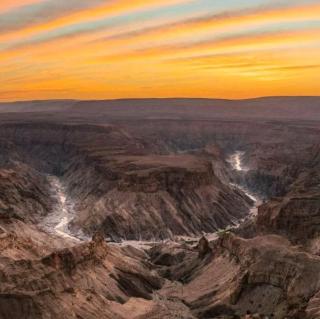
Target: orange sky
(51, 49)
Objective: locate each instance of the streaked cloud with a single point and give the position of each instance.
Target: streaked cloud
(249, 16)
(7, 5)
(108, 48)
(42, 11)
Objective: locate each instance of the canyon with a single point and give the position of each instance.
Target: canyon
(160, 208)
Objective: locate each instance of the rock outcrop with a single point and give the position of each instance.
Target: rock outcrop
(297, 214)
(159, 197)
(24, 193)
(262, 275)
(128, 191)
(131, 178)
(90, 280)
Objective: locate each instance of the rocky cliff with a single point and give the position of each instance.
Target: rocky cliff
(155, 179)
(154, 197)
(121, 188)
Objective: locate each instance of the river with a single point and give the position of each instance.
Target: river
(63, 212)
(57, 222)
(236, 163)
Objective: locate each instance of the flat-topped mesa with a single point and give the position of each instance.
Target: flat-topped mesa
(157, 197)
(156, 173)
(119, 182)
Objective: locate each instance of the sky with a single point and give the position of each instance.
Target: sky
(105, 49)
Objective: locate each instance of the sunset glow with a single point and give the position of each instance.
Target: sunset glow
(99, 49)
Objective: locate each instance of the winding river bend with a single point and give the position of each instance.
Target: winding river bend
(235, 161)
(57, 221)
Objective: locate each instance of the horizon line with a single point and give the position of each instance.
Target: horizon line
(160, 98)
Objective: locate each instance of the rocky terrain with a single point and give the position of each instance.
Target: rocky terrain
(113, 178)
(178, 209)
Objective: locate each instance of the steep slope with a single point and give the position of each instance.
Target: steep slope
(128, 178)
(24, 192)
(156, 197)
(264, 275)
(90, 280)
(296, 214)
(120, 184)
